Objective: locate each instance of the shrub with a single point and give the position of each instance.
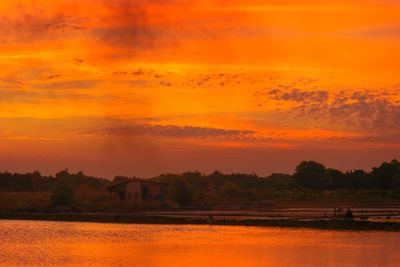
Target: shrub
(179, 191)
(63, 193)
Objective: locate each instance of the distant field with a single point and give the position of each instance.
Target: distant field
(97, 207)
(99, 201)
(94, 201)
(15, 200)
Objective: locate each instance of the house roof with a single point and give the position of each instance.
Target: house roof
(135, 181)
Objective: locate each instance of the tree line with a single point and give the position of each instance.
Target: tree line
(188, 186)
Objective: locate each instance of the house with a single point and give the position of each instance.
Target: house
(139, 190)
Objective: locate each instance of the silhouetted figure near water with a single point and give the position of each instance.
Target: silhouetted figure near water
(349, 215)
(363, 215)
(337, 212)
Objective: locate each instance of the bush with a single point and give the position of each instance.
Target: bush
(230, 191)
(63, 193)
(179, 191)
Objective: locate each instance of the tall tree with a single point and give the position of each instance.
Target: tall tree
(311, 174)
(384, 176)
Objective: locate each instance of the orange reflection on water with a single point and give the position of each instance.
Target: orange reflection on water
(91, 244)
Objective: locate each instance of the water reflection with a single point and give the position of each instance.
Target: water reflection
(95, 244)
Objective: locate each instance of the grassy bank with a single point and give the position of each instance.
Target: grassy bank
(138, 218)
(89, 202)
(100, 201)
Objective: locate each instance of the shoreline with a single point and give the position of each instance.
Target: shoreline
(141, 218)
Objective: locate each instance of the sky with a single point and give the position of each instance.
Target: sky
(118, 87)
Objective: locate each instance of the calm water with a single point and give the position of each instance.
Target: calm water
(95, 244)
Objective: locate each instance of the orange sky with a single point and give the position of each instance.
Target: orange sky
(119, 87)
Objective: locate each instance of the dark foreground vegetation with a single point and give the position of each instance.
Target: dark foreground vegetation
(311, 182)
(78, 197)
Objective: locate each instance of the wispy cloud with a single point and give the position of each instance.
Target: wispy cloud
(376, 113)
(171, 131)
(300, 96)
(74, 84)
(388, 31)
(31, 27)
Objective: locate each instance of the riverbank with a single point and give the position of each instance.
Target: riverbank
(216, 219)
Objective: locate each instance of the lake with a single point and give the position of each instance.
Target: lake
(36, 243)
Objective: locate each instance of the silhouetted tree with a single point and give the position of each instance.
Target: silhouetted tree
(336, 178)
(280, 181)
(63, 191)
(396, 182)
(311, 174)
(120, 179)
(355, 179)
(384, 176)
(179, 191)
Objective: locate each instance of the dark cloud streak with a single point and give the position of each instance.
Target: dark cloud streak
(171, 131)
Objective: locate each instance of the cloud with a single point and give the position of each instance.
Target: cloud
(366, 112)
(30, 27)
(373, 112)
(78, 84)
(117, 23)
(298, 95)
(170, 131)
(132, 25)
(129, 36)
(19, 92)
(389, 31)
(28, 97)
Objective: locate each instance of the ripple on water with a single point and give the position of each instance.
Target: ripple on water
(35, 243)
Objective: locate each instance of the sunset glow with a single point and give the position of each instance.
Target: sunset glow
(145, 87)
